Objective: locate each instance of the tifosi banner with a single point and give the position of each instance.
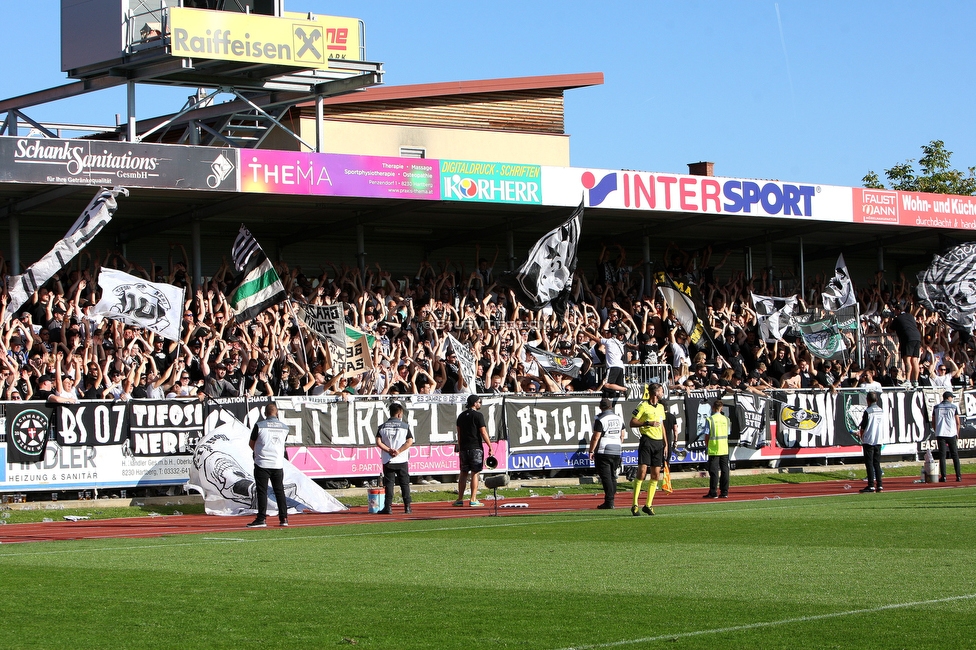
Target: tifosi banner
(165, 427)
(104, 163)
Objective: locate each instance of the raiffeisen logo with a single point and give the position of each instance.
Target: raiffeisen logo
(598, 191)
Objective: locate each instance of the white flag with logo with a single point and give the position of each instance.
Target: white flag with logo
(154, 306)
(839, 292)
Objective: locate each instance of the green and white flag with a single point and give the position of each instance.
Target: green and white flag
(258, 287)
(823, 338)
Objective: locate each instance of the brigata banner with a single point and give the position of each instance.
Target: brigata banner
(103, 163)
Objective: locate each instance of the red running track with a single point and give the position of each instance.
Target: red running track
(139, 527)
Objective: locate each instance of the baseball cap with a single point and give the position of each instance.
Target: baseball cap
(472, 400)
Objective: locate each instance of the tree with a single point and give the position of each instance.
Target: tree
(936, 175)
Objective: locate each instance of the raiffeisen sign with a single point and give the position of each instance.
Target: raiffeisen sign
(231, 36)
(662, 192)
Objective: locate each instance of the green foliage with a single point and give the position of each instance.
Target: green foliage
(935, 174)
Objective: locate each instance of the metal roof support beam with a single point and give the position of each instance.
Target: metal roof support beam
(15, 114)
(307, 234)
(273, 119)
(213, 209)
(38, 200)
(60, 92)
(186, 109)
(512, 225)
(269, 100)
(832, 253)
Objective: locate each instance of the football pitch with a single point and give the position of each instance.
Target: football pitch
(891, 570)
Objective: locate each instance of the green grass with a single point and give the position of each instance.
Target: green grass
(529, 581)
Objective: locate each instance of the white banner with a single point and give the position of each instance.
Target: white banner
(153, 306)
(326, 321)
(466, 360)
(663, 192)
(223, 471)
(95, 217)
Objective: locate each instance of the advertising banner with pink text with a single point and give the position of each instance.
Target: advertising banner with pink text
(326, 174)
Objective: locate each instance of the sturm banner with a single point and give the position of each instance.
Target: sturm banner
(823, 419)
(332, 422)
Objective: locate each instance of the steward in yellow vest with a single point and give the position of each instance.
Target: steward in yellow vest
(717, 440)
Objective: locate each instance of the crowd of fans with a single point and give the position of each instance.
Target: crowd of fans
(53, 350)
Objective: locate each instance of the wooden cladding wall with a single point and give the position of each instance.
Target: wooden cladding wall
(533, 111)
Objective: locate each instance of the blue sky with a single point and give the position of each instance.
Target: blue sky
(844, 87)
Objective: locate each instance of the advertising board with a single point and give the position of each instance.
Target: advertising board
(253, 38)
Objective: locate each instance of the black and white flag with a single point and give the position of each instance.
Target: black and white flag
(774, 315)
(258, 287)
(567, 365)
(948, 286)
(154, 306)
(326, 321)
(466, 360)
(95, 217)
(839, 292)
(546, 277)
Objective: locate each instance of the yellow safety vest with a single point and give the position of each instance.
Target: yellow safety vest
(718, 435)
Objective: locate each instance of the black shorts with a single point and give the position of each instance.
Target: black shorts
(650, 452)
(615, 376)
(911, 348)
(472, 460)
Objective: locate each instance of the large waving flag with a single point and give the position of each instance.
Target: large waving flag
(151, 305)
(948, 286)
(774, 315)
(688, 307)
(258, 287)
(546, 277)
(839, 292)
(95, 217)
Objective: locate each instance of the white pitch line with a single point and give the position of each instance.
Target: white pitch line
(785, 621)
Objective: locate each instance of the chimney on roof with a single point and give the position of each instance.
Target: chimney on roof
(701, 168)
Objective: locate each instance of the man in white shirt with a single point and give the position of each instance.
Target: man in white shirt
(394, 439)
(615, 352)
(946, 424)
(874, 426)
(268, 442)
